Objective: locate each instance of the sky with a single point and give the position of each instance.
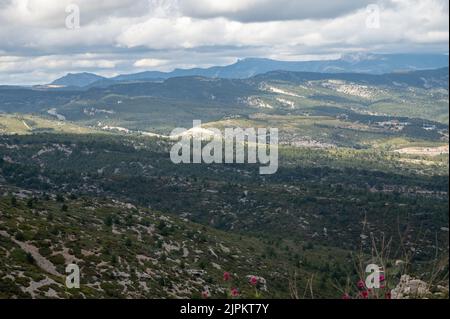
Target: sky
(41, 40)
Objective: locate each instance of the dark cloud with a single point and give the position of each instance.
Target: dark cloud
(268, 10)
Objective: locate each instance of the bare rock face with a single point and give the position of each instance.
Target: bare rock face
(410, 288)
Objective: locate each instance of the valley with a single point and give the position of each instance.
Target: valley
(86, 177)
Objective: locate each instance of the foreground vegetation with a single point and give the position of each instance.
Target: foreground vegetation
(140, 226)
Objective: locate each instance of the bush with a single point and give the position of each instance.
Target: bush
(108, 221)
(57, 259)
(30, 258)
(19, 236)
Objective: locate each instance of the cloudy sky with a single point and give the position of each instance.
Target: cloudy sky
(40, 39)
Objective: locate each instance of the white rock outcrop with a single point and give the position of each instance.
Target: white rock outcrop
(410, 288)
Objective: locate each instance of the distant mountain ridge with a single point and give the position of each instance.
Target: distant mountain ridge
(437, 78)
(249, 67)
(77, 79)
(159, 106)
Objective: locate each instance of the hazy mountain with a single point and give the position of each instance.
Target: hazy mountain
(246, 68)
(77, 79)
(359, 63)
(426, 79)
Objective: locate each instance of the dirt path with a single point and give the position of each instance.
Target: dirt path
(40, 260)
(26, 125)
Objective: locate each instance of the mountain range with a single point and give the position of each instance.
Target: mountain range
(249, 67)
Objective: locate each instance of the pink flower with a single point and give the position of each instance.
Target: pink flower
(388, 295)
(205, 294)
(234, 292)
(253, 281)
(382, 278)
(346, 296)
(364, 294)
(361, 284)
(226, 276)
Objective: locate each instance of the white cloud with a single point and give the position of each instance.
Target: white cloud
(52, 14)
(16, 68)
(128, 35)
(149, 63)
(407, 21)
